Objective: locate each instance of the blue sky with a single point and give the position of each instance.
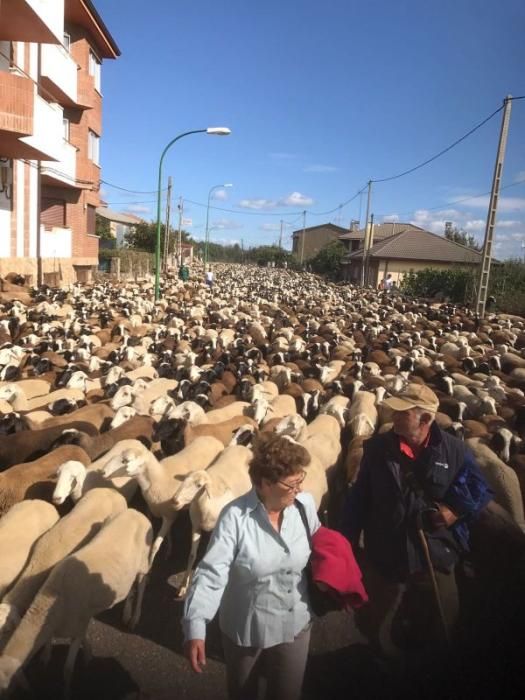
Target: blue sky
(320, 98)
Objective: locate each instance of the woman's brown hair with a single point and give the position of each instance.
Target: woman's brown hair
(276, 457)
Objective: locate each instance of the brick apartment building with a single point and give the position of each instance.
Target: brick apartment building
(50, 128)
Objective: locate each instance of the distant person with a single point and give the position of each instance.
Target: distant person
(184, 273)
(388, 282)
(209, 277)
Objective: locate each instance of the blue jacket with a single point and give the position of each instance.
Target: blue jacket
(388, 508)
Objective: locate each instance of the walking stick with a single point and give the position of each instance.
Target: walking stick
(435, 588)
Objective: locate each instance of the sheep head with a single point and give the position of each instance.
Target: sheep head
(161, 406)
(133, 462)
(123, 397)
(123, 414)
(291, 425)
(243, 435)
(77, 381)
(190, 487)
(70, 479)
(260, 409)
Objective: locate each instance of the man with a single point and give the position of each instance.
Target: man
(417, 490)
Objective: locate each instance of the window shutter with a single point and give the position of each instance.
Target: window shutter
(53, 212)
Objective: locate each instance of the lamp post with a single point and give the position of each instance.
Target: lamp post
(212, 130)
(207, 232)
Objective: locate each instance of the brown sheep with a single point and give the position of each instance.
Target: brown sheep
(31, 444)
(36, 479)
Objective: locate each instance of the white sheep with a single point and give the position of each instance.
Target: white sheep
(159, 481)
(362, 417)
(74, 479)
(71, 532)
(20, 528)
(502, 479)
(86, 583)
(338, 407)
(322, 437)
(207, 492)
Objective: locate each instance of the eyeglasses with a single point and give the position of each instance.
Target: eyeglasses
(296, 485)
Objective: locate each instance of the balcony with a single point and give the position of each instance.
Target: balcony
(46, 140)
(59, 74)
(64, 170)
(38, 21)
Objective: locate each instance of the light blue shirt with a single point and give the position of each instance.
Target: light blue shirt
(255, 574)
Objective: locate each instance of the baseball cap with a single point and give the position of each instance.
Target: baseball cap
(414, 396)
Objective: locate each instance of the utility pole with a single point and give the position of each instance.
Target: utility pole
(491, 214)
(366, 242)
(370, 243)
(180, 207)
(303, 237)
(167, 230)
(281, 236)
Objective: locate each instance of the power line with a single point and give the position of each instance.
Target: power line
(445, 150)
(124, 189)
(458, 201)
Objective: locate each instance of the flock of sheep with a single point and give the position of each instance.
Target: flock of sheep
(108, 398)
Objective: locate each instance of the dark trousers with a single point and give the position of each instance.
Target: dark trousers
(275, 673)
(405, 615)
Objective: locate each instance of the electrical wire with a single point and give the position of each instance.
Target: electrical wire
(124, 189)
(458, 201)
(445, 150)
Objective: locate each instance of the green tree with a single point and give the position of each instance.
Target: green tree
(328, 260)
(103, 227)
(143, 236)
(459, 235)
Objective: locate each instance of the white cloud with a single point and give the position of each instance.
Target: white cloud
(226, 224)
(474, 225)
(390, 217)
(139, 209)
(507, 223)
(296, 199)
(506, 204)
(320, 169)
(220, 195)
(258, 204)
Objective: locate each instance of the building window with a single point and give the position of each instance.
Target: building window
(65, 129)
(67, 41)
(93, 147)
(94, 69)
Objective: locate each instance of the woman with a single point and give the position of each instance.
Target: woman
(254, 569)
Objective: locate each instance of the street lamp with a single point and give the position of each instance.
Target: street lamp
(207, 232)
(213, 131)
